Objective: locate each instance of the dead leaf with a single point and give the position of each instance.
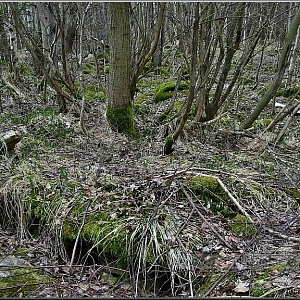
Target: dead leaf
(241, 287)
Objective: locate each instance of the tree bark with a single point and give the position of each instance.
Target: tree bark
(171, 139)
(119, 107)
(289, 40)
(145, 57)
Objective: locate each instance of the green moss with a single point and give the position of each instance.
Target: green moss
(289, 92)
(25, 70)
(144, 84)
(106, 69)
(148, 66)
(10, 90)
(205, 283)
(202, 183)
(262, 123)
(103, 56)
(87, 71)
(21, 282)
(32, 145)
(94, 92)
(210, 193)
(141, 98)
(165, 90)
(179, 54)
(21, 252)
(108, 235)
(280, 267)
(294, 192)
(258, 290)
(163, 116)
(25, 119)
(142, 104)
(89, 67)
(240, 225)
(49, 125)
(164, 72)
(246, 79)
(121, 119)
(263, 89)
(225, 121)
(69, 231)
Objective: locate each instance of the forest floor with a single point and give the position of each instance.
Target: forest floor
(263, 177)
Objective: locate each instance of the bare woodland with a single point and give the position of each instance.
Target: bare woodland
(149, 149)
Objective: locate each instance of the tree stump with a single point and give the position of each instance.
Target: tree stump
(9, 140)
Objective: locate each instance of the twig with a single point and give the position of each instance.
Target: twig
(203, 218)
(283, 236)
(288, 121)
(276, 290)
(10, 85)
(235, 201)
(222, 276)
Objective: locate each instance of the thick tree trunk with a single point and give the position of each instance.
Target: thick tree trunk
(119, 107)
(290, 38)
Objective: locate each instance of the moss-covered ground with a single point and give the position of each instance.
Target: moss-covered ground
(115, 205)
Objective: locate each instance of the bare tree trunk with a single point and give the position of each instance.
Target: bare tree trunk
(12, 40)
(119, 107)
(145, 57)
(32, 47)
(294, 56)
(61, 20)
(82, 11)
(172, 138)
(290, 38)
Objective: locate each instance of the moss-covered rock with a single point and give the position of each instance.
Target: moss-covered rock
(20, 282)
(166, 90)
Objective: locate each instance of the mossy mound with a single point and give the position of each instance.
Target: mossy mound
(18, 280)
(166, 90)
(241, 226)
(209, 192)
